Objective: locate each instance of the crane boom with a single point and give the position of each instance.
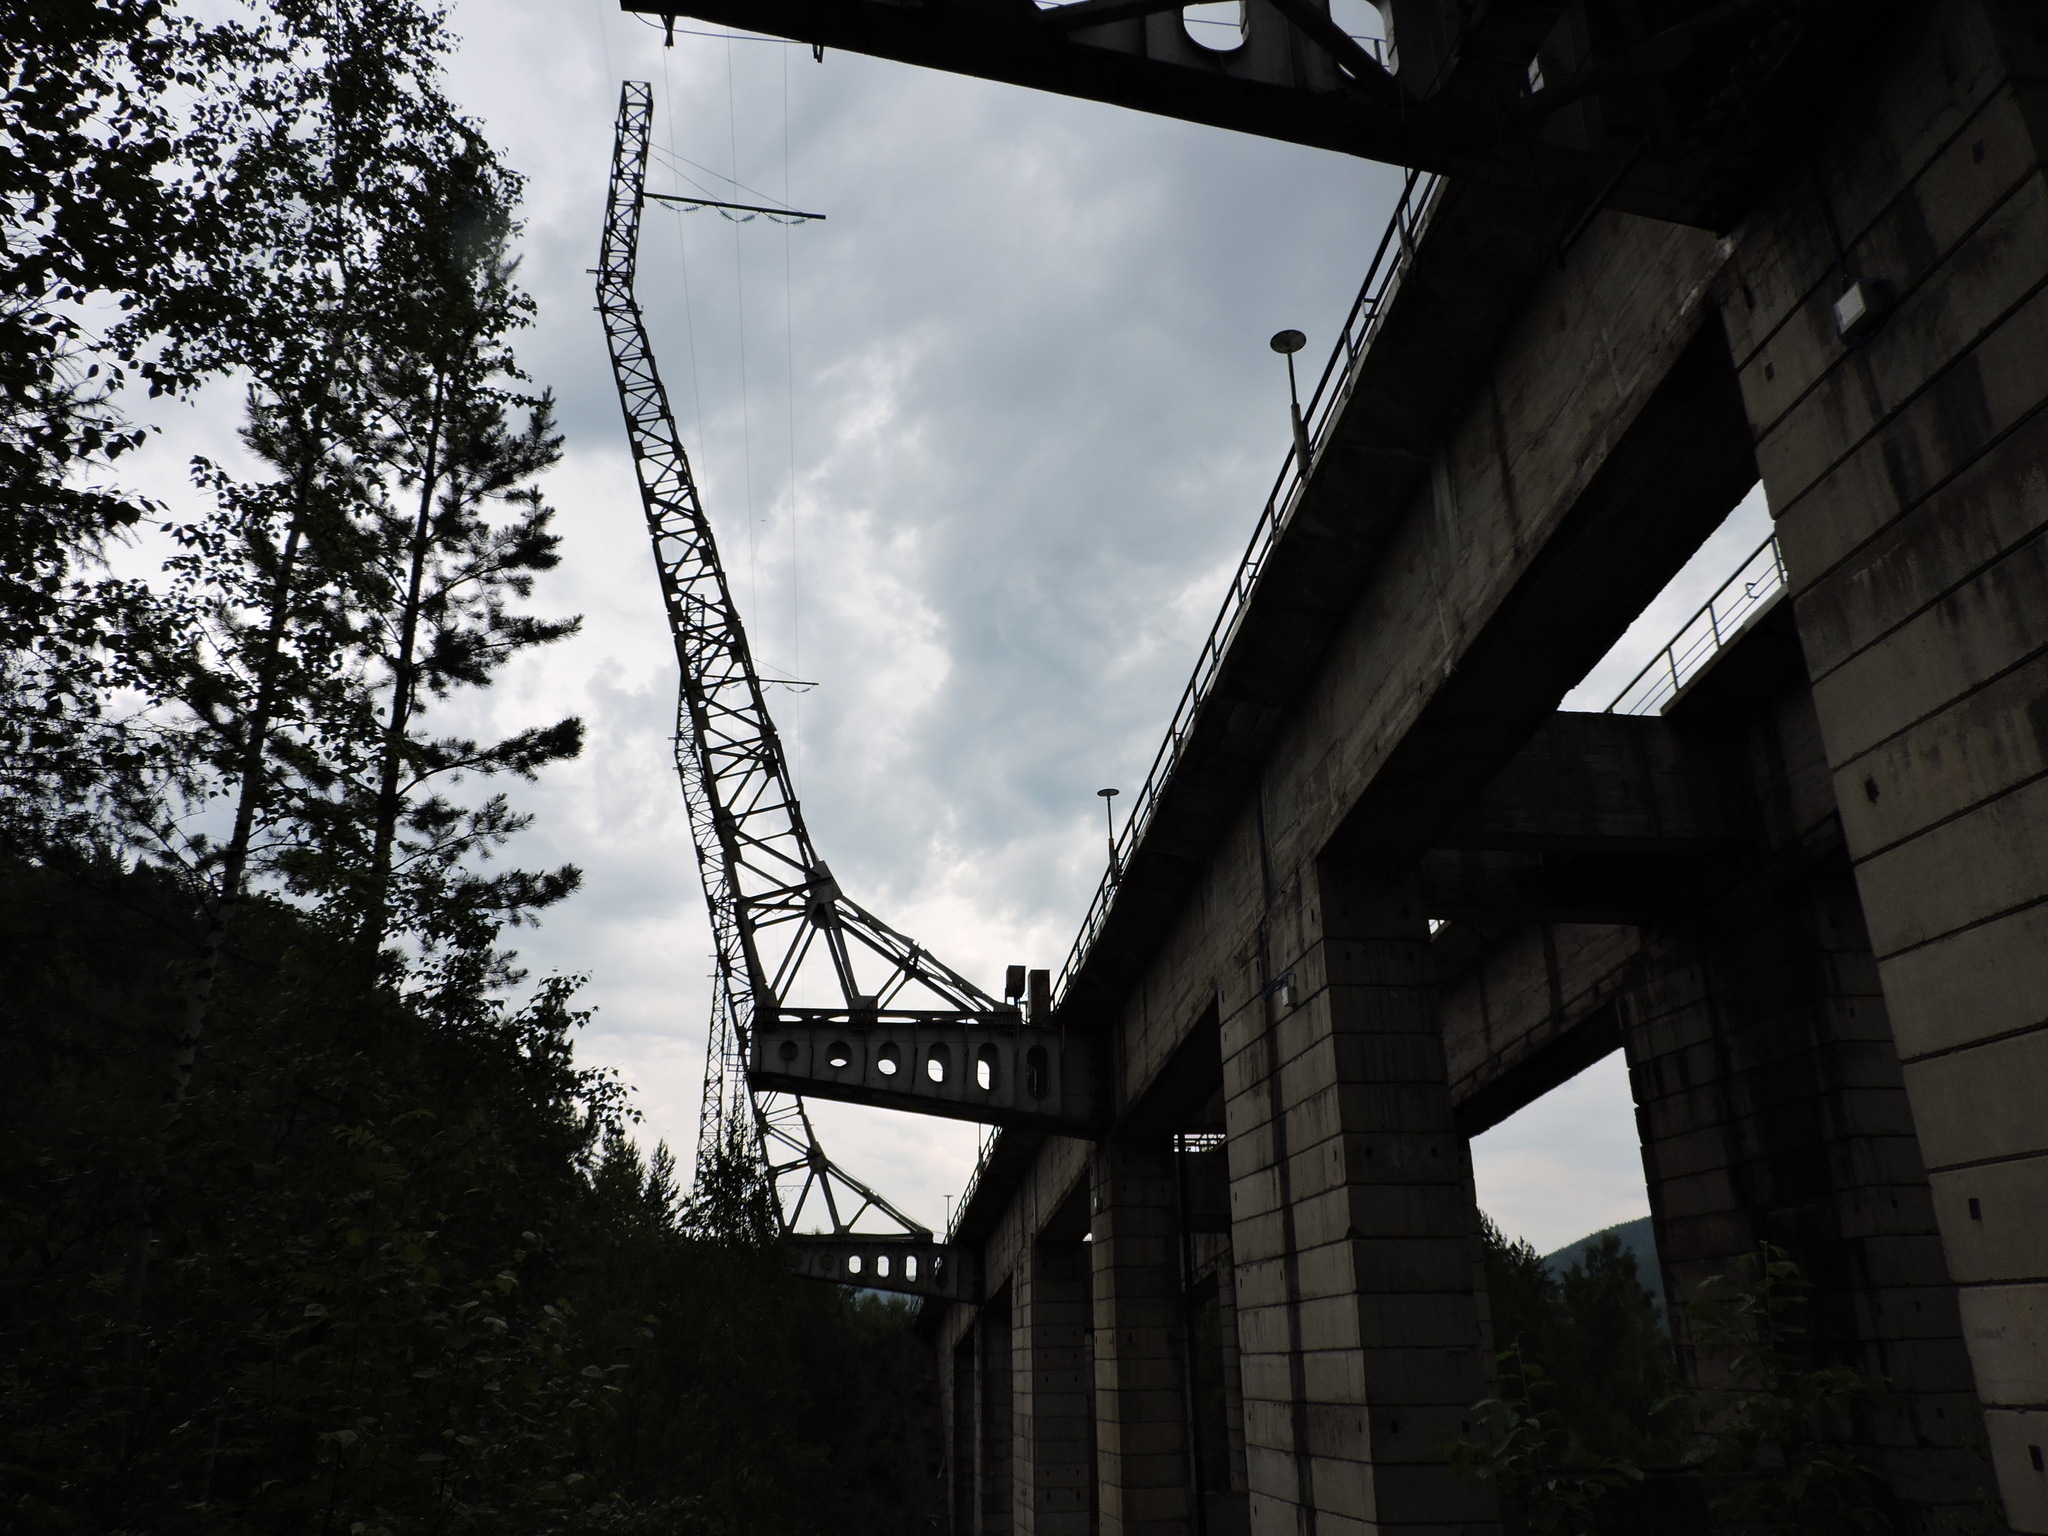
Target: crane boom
(790, 947)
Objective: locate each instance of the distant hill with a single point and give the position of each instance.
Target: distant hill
(1636, 1236)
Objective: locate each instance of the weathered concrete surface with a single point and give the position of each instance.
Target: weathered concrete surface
(1909, 478)
(1808, 904)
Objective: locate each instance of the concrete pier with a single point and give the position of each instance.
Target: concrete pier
(1390, 895)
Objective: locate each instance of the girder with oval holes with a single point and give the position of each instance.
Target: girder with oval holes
(1003, 1073)
(787, 942)
(910, 1266)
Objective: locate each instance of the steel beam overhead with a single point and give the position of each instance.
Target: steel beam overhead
(1659, 107)
(1002, 1074)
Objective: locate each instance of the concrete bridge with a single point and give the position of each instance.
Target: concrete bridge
(1381, 893)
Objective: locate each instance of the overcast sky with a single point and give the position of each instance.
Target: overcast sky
(981, 450)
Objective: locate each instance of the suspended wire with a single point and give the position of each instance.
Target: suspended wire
(740, 294)
(780, 215)
(683, 256)
(775, 215)
(678, 204)
(674, 162)
(604, 40)
(796, 612)
(680, 161)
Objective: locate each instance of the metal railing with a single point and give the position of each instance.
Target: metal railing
(1724, 615)
(1390, 263)
(1737, 604)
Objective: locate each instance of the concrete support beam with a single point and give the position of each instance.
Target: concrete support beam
(1604, 784)
(1054, 1457)
(1907, 476)
(1025, 1075)
(995, 1426)
(1532, 1009)
(1772, 1109)
(1488, 887)
(958, 1407)
(1363, 1342)
(1230, 1516)
(1140, 1378)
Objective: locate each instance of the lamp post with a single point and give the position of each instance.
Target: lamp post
(1287, 343)
(1109, 816)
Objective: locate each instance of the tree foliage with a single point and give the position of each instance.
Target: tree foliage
(1590, 1402)
(1585, 1374)
(1770, 1437)
(411, 1273)
(309, 1220)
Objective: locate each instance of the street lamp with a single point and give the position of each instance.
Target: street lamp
(1287, 343)
(1109, 816)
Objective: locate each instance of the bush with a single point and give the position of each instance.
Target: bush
(404, 1270)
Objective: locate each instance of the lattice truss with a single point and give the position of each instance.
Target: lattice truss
(788, 943)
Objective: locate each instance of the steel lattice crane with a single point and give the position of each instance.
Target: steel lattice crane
(791, 949)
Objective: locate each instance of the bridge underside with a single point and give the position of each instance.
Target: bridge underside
(1667, 108)
(1388, 894)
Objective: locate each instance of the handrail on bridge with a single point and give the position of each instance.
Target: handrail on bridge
(1390, 263)
(1702, 637)
(1733, 607)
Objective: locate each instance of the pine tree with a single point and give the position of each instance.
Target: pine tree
(351, 125)
(457, 538)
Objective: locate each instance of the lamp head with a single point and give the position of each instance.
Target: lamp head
(1287, 343)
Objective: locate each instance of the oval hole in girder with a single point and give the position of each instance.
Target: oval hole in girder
(1216, 26)
(838, 1055)
(881, 1266)
(938, 1269)
(853, 1263)
(985, 1068)
(1037, 1072)
(889, 1059)
(787, 1050)
(1364, 22)
(910, 1267)
(938, 1061)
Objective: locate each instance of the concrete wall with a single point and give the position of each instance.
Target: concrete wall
(1833, 1012)
(1909, 478)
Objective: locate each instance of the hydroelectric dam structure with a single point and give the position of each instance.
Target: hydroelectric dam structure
(1219, 1268)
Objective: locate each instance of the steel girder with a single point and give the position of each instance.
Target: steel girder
(787, 942)
(1669, 108)
(1005, 1073)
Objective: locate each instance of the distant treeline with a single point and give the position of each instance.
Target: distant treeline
(309, 1220)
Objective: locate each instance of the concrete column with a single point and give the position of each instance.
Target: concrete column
(1233, 1373)
(1362, 1343)
(1055, 1396)
(997, 1345)
(1772, 1108)
(1909, 476)
(958, 1403)
(1140, 1391)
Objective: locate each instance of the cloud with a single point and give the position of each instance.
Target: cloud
(981, 450)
